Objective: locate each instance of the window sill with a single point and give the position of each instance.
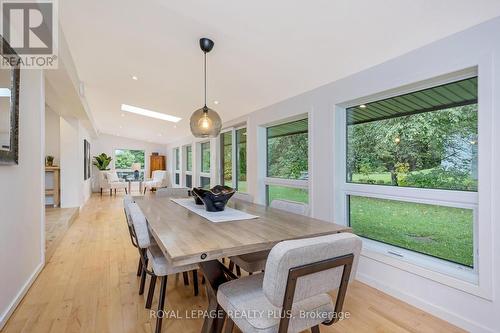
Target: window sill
(449, 274)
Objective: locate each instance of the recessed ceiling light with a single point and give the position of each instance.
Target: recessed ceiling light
(175, 126)
(121, 126)
(362, 106)
(135, 78)
(123, 114)
(159, 134)
(149, 113)
(216, 102)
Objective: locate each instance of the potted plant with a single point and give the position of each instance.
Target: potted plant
(102, 161)
(49, 160)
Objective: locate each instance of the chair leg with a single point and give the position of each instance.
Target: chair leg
(101, 191)
(115, 191)
(161, 303)
(315, 329)
(110, 192)
(145, 190)
(231, 265)
(195, 282)
(151, 292)
(186, 278)
(126, 192)
(229, 325)
(238, 270)
(143, 279)
(139, 268)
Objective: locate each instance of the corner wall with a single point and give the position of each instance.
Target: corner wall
(22, 241)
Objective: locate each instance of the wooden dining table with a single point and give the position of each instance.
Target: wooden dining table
(187, 238)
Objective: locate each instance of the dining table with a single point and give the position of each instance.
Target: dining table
(187, 238)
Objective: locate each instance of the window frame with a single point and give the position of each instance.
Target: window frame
(476, 281)
(177, 166)
(234, 156)
(185, 164)
(292, 183)
(203, 174)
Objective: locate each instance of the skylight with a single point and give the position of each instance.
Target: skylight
(149, 113)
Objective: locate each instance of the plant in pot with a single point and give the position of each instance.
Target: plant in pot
(49, 160)
(102, 161)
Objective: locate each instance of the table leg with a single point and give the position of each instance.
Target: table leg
(215, 275)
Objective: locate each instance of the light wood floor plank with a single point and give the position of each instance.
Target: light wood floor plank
(90, 285)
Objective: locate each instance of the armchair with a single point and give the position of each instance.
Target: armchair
(159, 179)
(109, 180)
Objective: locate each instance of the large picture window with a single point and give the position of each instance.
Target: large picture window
(234, 158)
(426, 139)
(126, 159)
(287, 161)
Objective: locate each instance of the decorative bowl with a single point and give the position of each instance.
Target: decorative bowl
(215, 199)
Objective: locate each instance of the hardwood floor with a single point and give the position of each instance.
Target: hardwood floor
(57, 222)
(90, 285)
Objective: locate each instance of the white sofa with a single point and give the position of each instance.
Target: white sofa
(158, 180)
(109, 180)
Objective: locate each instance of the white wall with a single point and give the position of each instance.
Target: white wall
(52, 136)
(75, 191)
(106, 143)
(21, 196)
(478, 46)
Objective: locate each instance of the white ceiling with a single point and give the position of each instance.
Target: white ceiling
(265, 51)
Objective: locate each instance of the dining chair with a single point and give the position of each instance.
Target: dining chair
(256, 262)
(176, 192)
(292, 294)
(150, 252)
(127, 200)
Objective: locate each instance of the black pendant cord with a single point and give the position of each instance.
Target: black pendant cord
(205, 72)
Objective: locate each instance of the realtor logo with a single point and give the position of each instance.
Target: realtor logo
(30, 28)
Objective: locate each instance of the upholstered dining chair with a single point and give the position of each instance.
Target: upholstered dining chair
(127, 200)
(292, 294)
(158, 180)
(177, 192)
(160, 267)
(255, 262)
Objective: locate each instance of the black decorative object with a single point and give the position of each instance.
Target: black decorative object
(136, 174)
(215, 199)
(9, 82)
(205, 122)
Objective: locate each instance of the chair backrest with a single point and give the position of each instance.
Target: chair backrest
(243, 196)
(159, 175)
(295, 253)
(140, 226)
(178, 192)
(127, 200)
(290, 206)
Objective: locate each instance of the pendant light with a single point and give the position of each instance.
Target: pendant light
(205, 122)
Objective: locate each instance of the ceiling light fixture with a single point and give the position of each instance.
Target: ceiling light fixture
(363, 106)
(216, 102)
(205, 122)
(135, 78)
(149, 113)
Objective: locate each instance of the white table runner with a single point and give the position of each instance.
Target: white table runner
(227, 215)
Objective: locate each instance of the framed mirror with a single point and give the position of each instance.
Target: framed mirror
(9, 105)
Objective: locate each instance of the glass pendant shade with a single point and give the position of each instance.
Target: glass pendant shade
(205, 123)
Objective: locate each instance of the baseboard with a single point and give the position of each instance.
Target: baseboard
(425, 306)
(13, 305)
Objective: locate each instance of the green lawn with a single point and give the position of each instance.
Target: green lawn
(443, 232)
(288, 193)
